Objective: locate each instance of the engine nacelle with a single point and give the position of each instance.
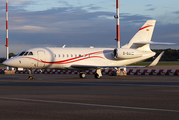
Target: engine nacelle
(125, 53)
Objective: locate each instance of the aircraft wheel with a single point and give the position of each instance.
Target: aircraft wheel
(97, 76)
(30, 78)
(82, 75)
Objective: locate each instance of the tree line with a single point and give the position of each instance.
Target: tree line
(10, 55)
(169, 55)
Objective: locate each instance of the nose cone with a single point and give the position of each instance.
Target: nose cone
(6, 62)
(9, 62)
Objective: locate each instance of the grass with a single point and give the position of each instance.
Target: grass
(1, 65)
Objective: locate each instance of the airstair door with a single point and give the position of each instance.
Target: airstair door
(41, 57)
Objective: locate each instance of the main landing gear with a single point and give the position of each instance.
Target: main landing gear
(30, 75)
(82, 75)
(97, 75)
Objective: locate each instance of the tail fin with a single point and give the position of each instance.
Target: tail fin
(143, 35)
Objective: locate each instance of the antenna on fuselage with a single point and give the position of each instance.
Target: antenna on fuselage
(63, 46)
(117, 24)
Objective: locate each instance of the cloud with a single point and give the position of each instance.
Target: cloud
(168, 18)
(75, 26)
(176, 35)
(166, 33)
(150, 9)
(17, 0)
(15, 48)
(3, 2)
(29, 29)
(176, 12)
(53, 20)
(149, 5)
(137, 18)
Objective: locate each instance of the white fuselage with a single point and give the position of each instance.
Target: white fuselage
(63, 58)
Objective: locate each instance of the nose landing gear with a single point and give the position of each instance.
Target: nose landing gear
(30, 75)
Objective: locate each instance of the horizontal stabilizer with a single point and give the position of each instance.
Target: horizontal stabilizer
(151, 42)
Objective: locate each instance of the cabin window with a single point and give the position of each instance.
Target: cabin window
(58, 55)
(67, 55)
(54, 55)
(75, 55)
(79, 55)
(63, 55)
(84, 55)
(71, 55)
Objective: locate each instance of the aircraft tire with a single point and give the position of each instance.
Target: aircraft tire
(82, 75)
(97, 76)
(30, 78)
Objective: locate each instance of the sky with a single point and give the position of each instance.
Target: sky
(84, 23)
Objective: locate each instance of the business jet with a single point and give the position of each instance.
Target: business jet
(81, 59)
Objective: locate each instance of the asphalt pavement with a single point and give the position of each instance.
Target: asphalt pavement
(67, 97)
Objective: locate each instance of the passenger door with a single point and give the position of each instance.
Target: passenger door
(41, 56)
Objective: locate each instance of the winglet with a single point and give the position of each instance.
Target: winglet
(154, 63)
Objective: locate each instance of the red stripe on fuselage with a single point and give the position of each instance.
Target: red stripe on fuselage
(67, 61)
(71, 60)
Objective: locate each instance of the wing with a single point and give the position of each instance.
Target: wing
(92, 67)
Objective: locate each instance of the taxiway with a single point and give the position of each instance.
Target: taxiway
(69, 97)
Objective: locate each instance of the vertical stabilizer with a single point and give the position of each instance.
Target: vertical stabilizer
(143, 35)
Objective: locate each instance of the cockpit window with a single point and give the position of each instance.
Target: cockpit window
(30, 53)
(24, 53)
(21, 53)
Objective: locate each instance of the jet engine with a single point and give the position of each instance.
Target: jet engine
(125, 53)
